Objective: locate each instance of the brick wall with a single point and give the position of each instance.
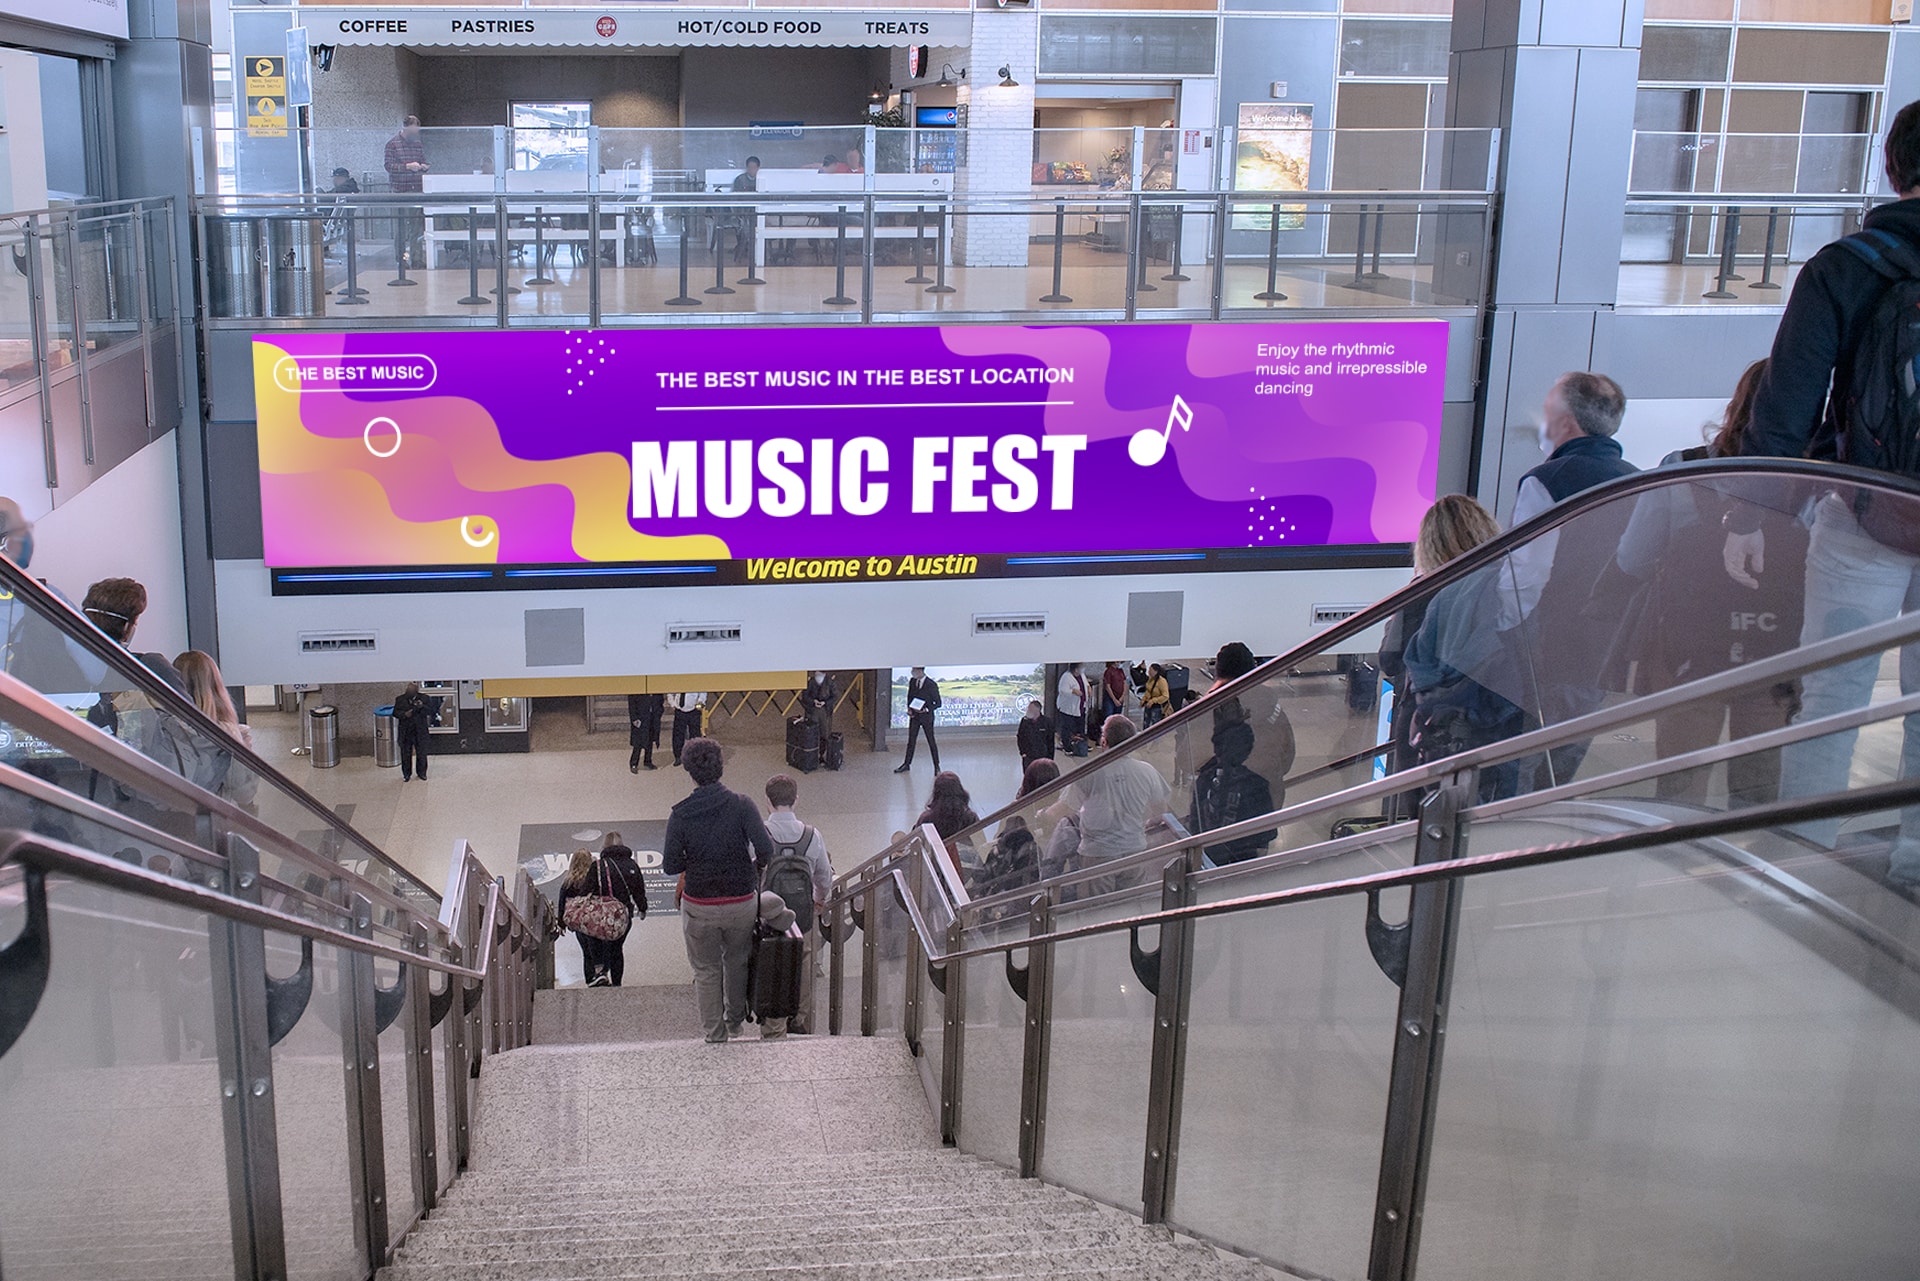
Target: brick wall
(1000, 139)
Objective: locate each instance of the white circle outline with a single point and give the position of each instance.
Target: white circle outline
(484, 542)
(366, 437)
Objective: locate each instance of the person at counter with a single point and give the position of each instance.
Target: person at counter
(406, 165)
(852, 162)
(344, 183)
(748, 179)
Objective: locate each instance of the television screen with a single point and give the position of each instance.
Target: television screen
(936, 117)
(813, 458)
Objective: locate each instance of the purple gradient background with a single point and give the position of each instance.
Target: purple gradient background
(1353, 464)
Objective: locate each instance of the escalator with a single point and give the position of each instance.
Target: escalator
(1596, 995)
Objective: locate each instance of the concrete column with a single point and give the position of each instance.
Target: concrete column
(1558, 78)
(162, 91)
(1001, 158)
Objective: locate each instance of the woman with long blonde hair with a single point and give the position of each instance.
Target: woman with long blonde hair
(209, 693)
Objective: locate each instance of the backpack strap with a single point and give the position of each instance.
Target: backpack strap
(1887, 254)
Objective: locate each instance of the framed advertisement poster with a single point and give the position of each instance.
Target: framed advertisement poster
(1273, 151)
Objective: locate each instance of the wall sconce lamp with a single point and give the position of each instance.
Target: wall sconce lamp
(1006, 78)
(948, 75)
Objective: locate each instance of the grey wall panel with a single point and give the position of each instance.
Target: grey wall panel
(1585, 22)
(233, 490)
(1596, 177)
(558, 637)
(1718, 345)
(23, 468)
(229, 375)
(1538, 150)
(1154, 618)
(1546, 344)
(1463, 359)
(117, 391)
(1484, 463)
(1456, 450)
(1903, 79)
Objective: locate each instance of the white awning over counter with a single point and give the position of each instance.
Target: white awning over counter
(436, 27)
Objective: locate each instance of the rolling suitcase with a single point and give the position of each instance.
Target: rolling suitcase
(773, 975)
(836, 753)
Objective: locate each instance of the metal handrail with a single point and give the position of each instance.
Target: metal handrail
(25, 707)
(1867, 800)
(1786, 471)
(53, 856)
(1762, 672)
(75, 627)
(321, 200)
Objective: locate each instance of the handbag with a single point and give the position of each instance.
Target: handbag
(600, 916)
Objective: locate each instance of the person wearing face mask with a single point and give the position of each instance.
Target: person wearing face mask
(818, 700)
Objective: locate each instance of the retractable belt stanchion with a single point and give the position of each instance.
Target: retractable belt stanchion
(1272, 292)
(940, 285)
(720, 258)
(840, 298)
(352, 295)
(1141, 244)
(1766, 280)
(400, 265)
(1179, 227)
(500, 247)
(1729, 245)
(1360, 280)
(1379, 221)
(474, 297)
(752, 224)
(684, 299)
(1059, 248)
(919, 276)
(539, 276)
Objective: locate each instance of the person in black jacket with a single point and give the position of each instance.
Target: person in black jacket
(643, 715)
(620, 878)
(413, 714)
(717, 844)
(923, 700)
(1863, 566)
(1035, 736)
(818, 700)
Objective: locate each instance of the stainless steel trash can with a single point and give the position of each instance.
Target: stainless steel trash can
(386, 738)
(234, 266)
(324, 721)
(295, 258)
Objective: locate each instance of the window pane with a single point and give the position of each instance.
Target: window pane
(1386, 47)
(1684, 53)
(1126, 45)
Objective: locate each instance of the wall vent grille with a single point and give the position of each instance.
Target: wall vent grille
(339, 642)
(702, 633)
(1005, 624)
(1328, 615)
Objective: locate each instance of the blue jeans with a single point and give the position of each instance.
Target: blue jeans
(1852, 582)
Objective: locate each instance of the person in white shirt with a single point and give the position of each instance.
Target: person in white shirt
(1070, 706)
(686, 719)
(788, 831)
(1117, 801)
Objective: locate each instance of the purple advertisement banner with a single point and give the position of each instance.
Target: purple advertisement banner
(555, 447)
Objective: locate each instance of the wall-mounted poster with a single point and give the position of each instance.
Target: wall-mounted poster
(1273, 152)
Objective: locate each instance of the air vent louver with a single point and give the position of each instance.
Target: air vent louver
(702, 633)
(1005, 624)
(339, 642)
(1328, 615)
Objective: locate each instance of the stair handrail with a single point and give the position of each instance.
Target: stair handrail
(77, 628)
(1896, 794)
(1787, 471)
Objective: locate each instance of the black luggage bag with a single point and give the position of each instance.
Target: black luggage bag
(773, 975)
(803, 744)
(836, 753)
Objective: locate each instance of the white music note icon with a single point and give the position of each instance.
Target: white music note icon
(1149, 446)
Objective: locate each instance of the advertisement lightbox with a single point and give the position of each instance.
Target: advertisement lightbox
(834, 454)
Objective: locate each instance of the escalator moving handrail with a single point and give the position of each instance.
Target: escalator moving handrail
(1784, 469)
(75, 626)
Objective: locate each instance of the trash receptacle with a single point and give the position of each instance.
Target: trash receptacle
(295, 259)
(386, 738)
(325, 723)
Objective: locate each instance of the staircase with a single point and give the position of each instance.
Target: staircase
(804, 1157)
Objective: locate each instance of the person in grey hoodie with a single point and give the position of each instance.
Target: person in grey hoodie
(787, 831)
(717, 846)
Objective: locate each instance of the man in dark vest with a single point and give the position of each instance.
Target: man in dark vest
(643, 716)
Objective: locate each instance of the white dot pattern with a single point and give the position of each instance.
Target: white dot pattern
(585, 353)
(1268, 526)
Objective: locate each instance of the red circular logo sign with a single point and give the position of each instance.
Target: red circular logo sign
(606, 27)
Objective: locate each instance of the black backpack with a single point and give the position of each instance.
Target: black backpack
(1876, 407)
(1224, 794)
(790, 875)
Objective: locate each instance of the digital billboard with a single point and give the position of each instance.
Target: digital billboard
(842, 454)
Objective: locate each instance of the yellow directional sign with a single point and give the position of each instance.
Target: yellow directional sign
(266, 85)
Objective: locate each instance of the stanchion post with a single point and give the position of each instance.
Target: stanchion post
(1059, 249)
(1138, 276)
(840, 298)
(683, 299)
(1272, 292)
(751, 222)
(940, 285)
(719, 258)
(1729, 234)
(539, 276)
(500, 247)
(919, 276)
(474, 297)
(1359, 280)
(351, 294)
(1179, 229)
(1766, 280)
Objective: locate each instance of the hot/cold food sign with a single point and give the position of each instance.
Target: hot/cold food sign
(630, 27)
(807, 456)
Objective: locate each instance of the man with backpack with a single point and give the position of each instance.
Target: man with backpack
(802, 875)
(1838, 386)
